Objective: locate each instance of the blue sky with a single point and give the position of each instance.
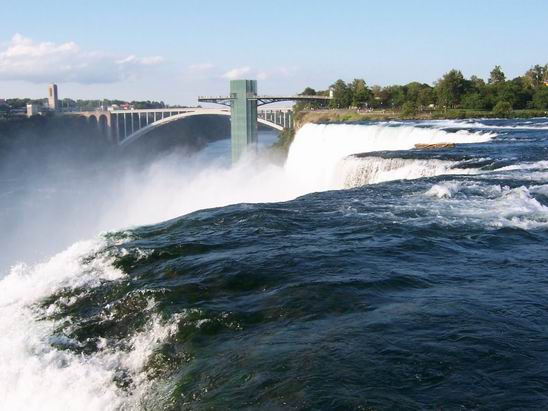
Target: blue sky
(176, 50)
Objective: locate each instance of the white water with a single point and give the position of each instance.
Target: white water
(35, 375)
(463, 202)
(317, 157)
(318, 149)
(356, 172)
(477, 124)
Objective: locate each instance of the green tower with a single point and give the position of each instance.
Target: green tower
(243, 94)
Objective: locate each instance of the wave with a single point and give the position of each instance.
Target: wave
(34, 343)
(30, 363)
(477, 124)
(493, 205)
(536, 165)
(355, 172)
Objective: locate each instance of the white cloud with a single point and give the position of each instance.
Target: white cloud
(200, 67)
(40, 62)
(262, 75)
(246, 71)
(145, 61)
(287, 71)
(237, 73)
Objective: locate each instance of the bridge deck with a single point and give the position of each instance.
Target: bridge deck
(156, 110)
(206, 99)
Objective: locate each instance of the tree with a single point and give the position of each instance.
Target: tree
(515, 92)
(497, 76)
(540, 98)
(474, 101)
(476, 96)
(536, 75)
(361, 95)
(380, 96)
(426, 97)
(18, 102)
(306, 105)
(502, 109)
(450, 88)
(412, 91)
(477, 83)
(342, 95)
(409, 109)
(421, 95)
(396, 96)
(308, 92)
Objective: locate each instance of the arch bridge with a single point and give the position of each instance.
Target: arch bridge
(127, 126)
(124, 127)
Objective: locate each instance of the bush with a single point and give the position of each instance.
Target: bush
(285, 139)
(409, 109)
(540, 99)
(502, 109)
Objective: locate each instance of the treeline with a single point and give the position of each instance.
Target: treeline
(93, 104)
(452, 91)
(68, 103)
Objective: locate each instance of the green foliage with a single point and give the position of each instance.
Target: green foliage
(421, 95)
(22, 102)
(361, 95)
(84, 105)
(450, 88)
(396, 96)
(408, 109)
(308, 105)
(474, 100)
(285, 139)
(540, 98)
(452, 91)
(342, 95)
(380, 97)
(536, 76)
(515, 92)
(502, 109)
(497, 76)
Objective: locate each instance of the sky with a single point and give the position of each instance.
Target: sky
(177, 50)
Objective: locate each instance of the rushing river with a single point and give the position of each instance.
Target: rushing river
(362, 274)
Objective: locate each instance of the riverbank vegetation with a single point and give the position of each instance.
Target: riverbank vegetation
(79, 105)
(452, 96)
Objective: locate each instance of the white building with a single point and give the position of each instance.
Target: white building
(33, 109)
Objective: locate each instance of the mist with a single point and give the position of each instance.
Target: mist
(61, 182)
(71, 194)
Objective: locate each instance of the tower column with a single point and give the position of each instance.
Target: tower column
(243, 116)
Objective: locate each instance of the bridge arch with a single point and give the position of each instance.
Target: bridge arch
(92, 120)
(103, 124)
(199, 112)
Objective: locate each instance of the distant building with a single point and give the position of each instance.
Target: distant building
(33, 109)
(53, 99)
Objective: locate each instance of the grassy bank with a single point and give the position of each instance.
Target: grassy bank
(337, 116)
